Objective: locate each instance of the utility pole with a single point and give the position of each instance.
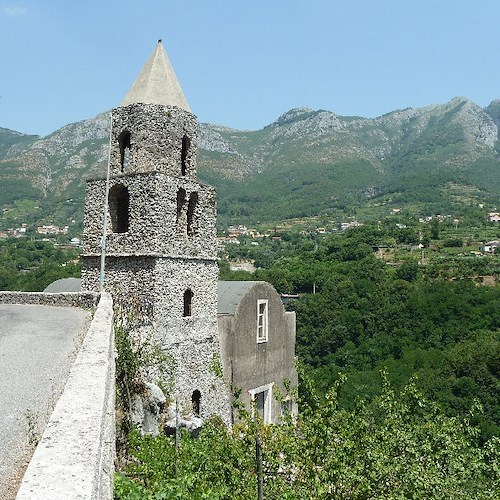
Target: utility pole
(105, 214)
(176, 437)
(260, 476)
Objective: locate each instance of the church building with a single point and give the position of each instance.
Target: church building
(161, 257)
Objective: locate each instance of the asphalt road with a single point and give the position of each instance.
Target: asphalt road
(37, 347)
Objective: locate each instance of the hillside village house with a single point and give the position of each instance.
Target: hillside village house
(161, 258)
(491, 246)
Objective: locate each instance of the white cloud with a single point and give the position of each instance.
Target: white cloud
(15, 11)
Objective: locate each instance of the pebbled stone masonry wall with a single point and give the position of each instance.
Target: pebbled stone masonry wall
(195, 371)
(156, 225)
(166, 247)
(154, 288)
(156, 133)
(158, 285)
(130, 280)
(86, 300)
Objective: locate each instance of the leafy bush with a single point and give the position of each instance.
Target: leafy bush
(397, 446)
(452, 243)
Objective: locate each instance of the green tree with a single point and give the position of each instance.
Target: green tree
(397, 446)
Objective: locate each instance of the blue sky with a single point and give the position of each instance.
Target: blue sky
(242, 64)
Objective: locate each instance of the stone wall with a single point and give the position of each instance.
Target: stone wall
(156, 226)
(152, 289)
(75, 456)
(192, 340)
(156, 133)
(196, 369)
(130, 279)
(86, 300)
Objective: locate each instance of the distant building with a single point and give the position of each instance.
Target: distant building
(491, 246)
(348, 225)
(235, 231)
(243, 265)
(51, 229)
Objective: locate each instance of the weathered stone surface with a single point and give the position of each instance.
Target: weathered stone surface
(175, 418)
(147, 406)
(154, 225)
(69, 299)
(166, 249)
(156, 134)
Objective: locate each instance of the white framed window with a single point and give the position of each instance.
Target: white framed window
(262, 320)
(261, 402)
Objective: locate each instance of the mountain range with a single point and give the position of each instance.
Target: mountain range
(435, 159)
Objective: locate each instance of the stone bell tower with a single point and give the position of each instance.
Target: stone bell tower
(161, 259)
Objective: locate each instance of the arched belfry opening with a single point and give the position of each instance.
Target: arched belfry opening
(124, 142)
(119, 201)
(186, 145)
(191, 214)
(196, 402)
(188, 303)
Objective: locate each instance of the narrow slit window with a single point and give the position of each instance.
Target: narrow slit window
(124, 141)
(196, 402)
(186, 144)
(181, 200)
(188, 303)
(191, 214)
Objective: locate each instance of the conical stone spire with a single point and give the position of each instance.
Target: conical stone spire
(157, 83)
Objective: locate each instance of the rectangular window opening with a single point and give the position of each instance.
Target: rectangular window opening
(261, 398)
(262, 321)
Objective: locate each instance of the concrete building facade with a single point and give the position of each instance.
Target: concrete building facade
(257, 340)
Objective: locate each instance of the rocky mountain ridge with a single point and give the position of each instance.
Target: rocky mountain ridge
(306, 152)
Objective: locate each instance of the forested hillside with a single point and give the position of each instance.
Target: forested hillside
(30, 266)
(366, 316)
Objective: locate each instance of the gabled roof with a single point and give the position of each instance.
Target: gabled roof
(157, 83)
(230, 294)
